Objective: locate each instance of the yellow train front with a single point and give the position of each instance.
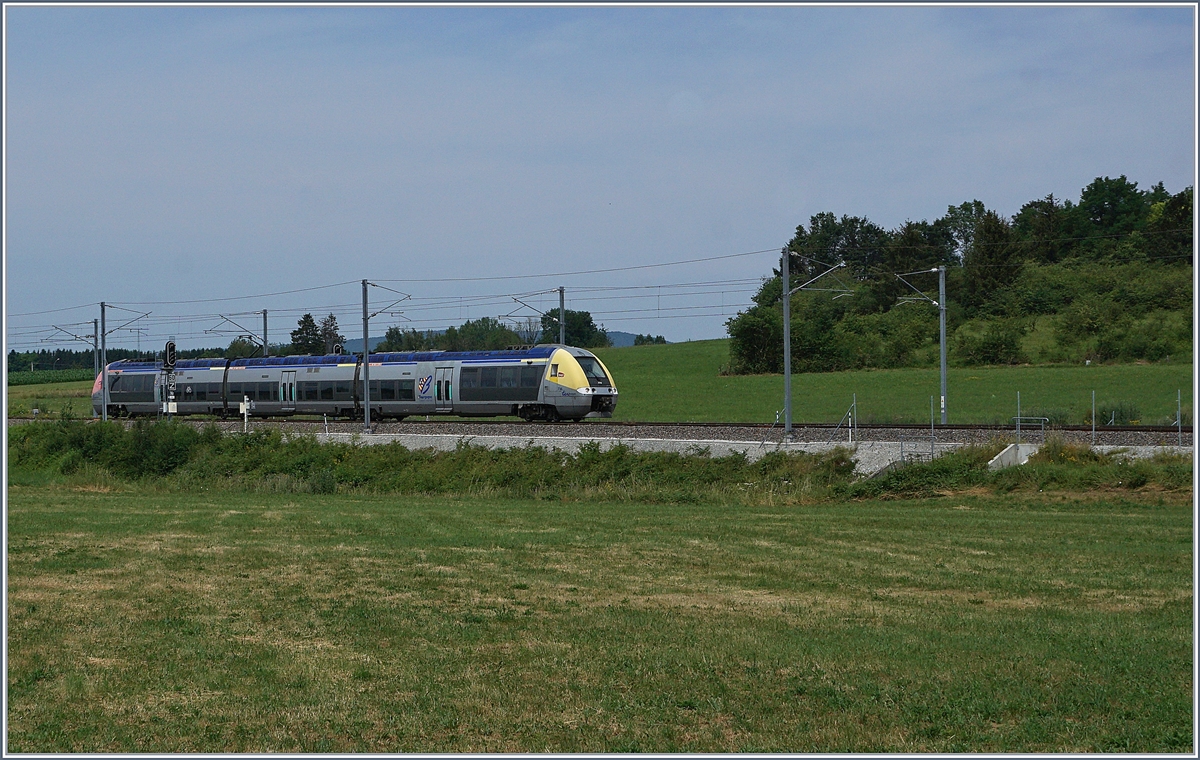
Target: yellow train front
(578, 385)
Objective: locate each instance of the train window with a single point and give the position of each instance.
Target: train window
(383, 390)
(114, 383)
(406, 390)
(235, 391)
(342, 390)
(487, 377)
(553, 370)
(268, 391)
(530, 376)
(508, 377)
(469, 378)
(326, 390)
(201, 392)
(308, 391)
(591, 368)
(449, 392)
(214, 391)
(439, 390)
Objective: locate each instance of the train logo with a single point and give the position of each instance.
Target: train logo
(423, 385)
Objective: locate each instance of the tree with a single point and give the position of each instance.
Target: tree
(1042, 226)
(648, 340)
(992, 262)
(306, 338)
(960, 220)
(398, 339)
(242, 348)
(852, 240)
(914, 247)
(529, 330)
(1169, 229)
(330, 337)
(486, 334)
(581, 330)
(1113, 206)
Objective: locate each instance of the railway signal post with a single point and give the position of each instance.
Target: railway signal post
(169, 365)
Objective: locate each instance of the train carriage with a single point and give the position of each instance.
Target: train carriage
(546, 382)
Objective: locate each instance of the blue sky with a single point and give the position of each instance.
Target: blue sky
(192, 154)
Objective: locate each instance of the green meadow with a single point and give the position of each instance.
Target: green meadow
(683, 382)
(144, 620)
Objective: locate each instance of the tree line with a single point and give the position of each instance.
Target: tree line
(312, 337)
(1105, 278)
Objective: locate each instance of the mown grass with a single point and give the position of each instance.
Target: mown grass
(141, 619)
(683, 382)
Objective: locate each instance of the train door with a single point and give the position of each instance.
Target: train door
(444, 390)
(287, 391)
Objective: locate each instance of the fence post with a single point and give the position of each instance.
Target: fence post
(931, 433)
(1018, 418)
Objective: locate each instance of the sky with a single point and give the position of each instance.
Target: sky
(200, 164)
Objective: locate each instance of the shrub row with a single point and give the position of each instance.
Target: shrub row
(178, 456)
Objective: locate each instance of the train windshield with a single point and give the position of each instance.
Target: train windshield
(592, 369)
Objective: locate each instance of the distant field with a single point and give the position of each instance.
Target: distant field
(682, 382)
(40, 377)
(52, 398)
(233, 622)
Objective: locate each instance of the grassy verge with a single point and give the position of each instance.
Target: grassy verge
(181, 458)
(142, 620)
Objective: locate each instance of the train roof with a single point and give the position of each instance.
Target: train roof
(534, 352)
(543, 351)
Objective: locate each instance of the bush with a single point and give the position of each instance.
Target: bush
(1118, 413)
(994, 342)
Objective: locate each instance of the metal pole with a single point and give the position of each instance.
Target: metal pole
(1018, 420)
(1179, 414)
(562, 315)
(942, 328)
(95, 352)
(103, 367)
(366, 367)
(787, 346)
(1093, 418)
(266, 351)
(931, 433)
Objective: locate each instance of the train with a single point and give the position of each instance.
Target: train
(550, 382)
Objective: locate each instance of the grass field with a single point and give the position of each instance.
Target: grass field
(681, 382)
(51, 398)
(145, 621)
